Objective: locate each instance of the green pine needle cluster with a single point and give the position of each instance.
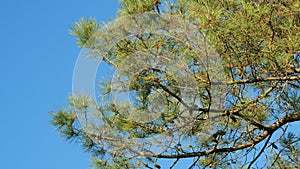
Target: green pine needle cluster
(84, 30)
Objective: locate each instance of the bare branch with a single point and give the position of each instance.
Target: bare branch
(286, 78)
(261, 151)
(271, 129)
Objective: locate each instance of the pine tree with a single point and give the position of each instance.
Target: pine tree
(212, 81)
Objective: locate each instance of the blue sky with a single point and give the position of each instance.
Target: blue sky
(37, 62)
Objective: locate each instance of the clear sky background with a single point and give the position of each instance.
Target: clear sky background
(36, 67)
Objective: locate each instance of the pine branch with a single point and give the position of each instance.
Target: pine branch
(271, 129)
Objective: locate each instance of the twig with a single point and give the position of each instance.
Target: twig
(261, 151)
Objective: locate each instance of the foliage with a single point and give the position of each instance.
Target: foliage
(258, 45)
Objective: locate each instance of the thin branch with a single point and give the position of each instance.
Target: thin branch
(174, 163)
(243, 81)
(194, 163)
(236, 112)
(105, 58)
(271, 129)
(261, 151)
(173, 94)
